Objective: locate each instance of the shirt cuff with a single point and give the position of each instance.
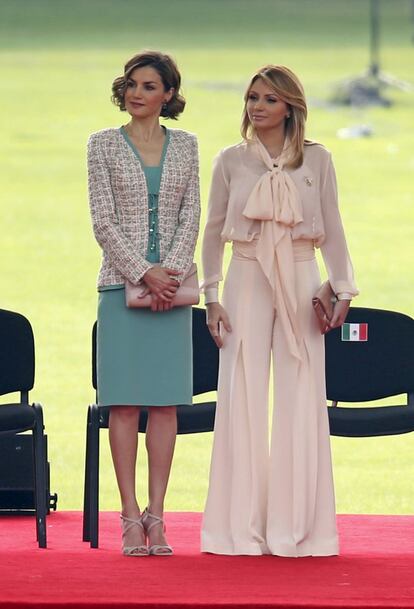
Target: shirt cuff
(344, 296)
(211, 295)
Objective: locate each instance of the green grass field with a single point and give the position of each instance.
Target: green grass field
(58, 61)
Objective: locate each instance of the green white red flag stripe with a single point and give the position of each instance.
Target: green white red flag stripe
(354, 332)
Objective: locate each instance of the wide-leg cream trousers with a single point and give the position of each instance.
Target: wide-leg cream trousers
(278, 500)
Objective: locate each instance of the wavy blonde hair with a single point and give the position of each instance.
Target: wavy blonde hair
(289, 89)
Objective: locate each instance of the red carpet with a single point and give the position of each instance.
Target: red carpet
(375, 569)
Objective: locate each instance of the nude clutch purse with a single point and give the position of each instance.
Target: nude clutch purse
(323, 304)
(138, 296)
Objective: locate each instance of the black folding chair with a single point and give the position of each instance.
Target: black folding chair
(361, 371)
(17, 364)
(195, 418)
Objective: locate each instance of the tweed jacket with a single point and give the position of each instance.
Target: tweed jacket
(118, 199)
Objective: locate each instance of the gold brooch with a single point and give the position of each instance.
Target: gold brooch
(308, 181)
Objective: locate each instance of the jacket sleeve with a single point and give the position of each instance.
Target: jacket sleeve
(119, 249)
(181, 253)
(334, 248)
(213, 244)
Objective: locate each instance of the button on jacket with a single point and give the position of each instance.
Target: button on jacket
(118, 200)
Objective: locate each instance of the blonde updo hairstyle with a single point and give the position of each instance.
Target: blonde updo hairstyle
(169, 74)
(288, 88)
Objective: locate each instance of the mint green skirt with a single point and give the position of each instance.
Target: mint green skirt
(144, 358)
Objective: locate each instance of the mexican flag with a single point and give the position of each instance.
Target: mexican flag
(354, 332)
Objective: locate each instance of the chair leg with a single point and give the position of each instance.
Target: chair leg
(94, 476)
(39, 457)
(87, 483)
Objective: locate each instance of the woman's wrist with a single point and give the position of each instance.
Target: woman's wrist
(344, 296)
(211, 295)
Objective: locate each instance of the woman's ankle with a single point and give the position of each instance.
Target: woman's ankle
(130, 509)
(157, 509)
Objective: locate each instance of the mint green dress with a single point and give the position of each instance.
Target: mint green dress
(144, 358)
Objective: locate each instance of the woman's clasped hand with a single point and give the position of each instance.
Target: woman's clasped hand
(163, 286)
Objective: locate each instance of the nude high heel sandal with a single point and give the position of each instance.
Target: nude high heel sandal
(156, 549)
(127, 524)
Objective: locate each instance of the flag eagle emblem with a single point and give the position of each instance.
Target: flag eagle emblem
(354, 332)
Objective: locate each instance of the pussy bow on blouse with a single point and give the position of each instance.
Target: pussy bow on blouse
(275, 201)
(118, 199)
(307, 205)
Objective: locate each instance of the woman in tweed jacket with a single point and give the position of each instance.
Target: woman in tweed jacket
(145, 207)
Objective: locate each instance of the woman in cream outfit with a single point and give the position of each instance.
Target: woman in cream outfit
(145, 206)
(274, 197)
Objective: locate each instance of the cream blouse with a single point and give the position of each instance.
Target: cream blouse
(236, 171)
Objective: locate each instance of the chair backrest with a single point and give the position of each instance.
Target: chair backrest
(205, 355)
(380, 367)
(17, 354)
